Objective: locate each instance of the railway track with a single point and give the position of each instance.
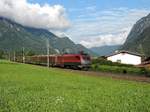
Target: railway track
(128, 77)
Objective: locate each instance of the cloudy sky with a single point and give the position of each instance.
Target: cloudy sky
(88, 22)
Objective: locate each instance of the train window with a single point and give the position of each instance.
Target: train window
(77, 57)
(86, 57)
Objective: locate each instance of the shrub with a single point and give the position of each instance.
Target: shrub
(2, 54)
(122, 69)
(103, 61)
(146, 71)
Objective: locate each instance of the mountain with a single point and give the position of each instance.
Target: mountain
(13, 37)
(138, 39)
(105, 50)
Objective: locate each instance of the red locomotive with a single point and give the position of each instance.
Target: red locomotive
(75, 61)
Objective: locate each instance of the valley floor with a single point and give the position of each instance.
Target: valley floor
(29, 88)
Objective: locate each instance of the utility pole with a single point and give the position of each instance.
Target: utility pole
(23, 55)
(9, 56)
(14, 56)
(47, 52)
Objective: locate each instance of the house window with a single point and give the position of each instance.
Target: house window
(119, 61)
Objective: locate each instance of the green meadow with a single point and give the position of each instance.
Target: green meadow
(29, 88)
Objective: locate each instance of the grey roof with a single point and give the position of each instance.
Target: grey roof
(128, 52)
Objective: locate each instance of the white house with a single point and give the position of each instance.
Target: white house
(125, 57)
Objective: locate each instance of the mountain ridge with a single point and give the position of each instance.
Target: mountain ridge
(14, 36)
(139, 37)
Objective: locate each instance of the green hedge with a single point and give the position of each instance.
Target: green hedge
(103, 61)
(122, 69)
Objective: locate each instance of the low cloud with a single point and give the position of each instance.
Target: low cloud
(35, 15)
(104, 27)
(106, 39)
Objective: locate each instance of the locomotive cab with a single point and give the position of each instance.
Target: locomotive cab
(85, 61)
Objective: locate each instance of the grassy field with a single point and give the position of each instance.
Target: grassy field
(28, 88)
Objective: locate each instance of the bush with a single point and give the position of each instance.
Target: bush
(146, 71)
(2, 54)
(103, 61)
(122, 70)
